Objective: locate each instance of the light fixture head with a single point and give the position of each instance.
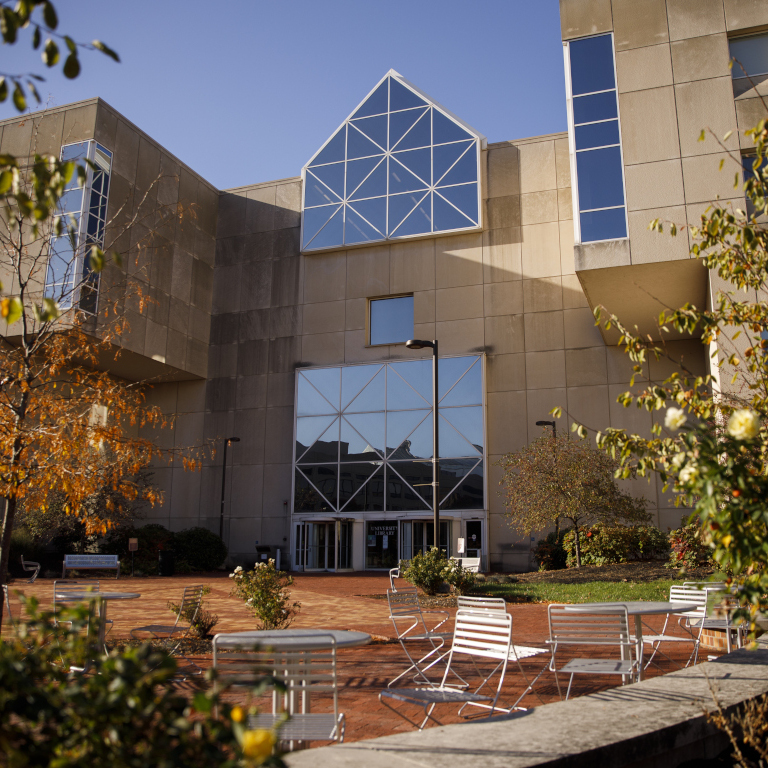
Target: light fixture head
(233, 439)
(545, 423)
(419, 344)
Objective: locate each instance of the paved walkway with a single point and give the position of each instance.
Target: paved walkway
(337, 602)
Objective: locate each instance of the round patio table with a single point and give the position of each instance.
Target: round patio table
(638, 609)
(291, 639)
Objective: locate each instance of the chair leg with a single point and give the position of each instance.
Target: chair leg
(568, 692)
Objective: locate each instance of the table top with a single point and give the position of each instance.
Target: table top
(78, 597)
(637, 607)
(292, 639)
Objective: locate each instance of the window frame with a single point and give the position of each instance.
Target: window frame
(572, 144)
(368, 303)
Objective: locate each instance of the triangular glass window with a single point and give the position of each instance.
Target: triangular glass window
(464, 197)
(468, 390)
(469, 423)
(371, 398)
(428, 147)
(361, 487)
(401, 394)
(308, 429)
(325, 381)
(461, 484)
(419, 375)
(310, 402)
(362, 436)
(354, 378)
(325, 448)
(400, 424)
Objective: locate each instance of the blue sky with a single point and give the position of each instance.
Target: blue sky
(249, 93)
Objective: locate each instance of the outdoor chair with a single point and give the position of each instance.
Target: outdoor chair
(394, 573)
(478, 636)
(295, 677)
(691, 623)
(598, 629)
(720, 607)
(172, 635)
(404, 608)
(30, 567)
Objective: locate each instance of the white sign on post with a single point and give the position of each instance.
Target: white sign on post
(460, 547)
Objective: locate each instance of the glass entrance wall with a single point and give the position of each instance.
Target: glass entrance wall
(364, 437)
(419, 536)
(318, 544)
(381, 544)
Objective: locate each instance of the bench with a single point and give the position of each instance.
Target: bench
(470, 563)
(91, 562)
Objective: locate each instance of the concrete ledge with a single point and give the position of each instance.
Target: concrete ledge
(658, 722)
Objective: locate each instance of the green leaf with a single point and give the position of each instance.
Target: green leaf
(36, 38)
(49, 311)
(96, 258)
(3, 89)
(9, 23)
(49, 16)
(99, 46)
(71, 44)
(72, 66)
(10, 309)
(50, 53)
(19, 100)
(6, 179)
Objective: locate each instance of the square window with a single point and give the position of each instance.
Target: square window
(750, 63)
(390, 320)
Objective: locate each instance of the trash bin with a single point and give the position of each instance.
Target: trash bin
(264, 553)
(165, 563)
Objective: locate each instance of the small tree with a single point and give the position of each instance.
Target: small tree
(564, 477)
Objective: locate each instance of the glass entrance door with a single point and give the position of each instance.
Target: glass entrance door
(474, 543)
(418, 536)
(317, 549)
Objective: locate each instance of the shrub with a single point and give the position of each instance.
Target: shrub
(153, 538)
(264, 590)
(461, 579)
(603, 544)
(204, 621)
(550, 554)
(426, 570)
(687, 549)
(200, 548)
(127, 713)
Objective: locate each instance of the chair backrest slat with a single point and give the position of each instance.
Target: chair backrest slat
(595, 627)
(472, 603)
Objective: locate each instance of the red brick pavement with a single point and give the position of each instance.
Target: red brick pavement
(340, 602)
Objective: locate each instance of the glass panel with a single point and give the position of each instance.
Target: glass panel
(400, 122)
(467, 421)
(374, 211)
(326, 447)
(391, 322)
(450, 370)
(103, 158)
(362, 436)
(353, 379)
(418, 161)
(333, 151)
(598, 106)
(464, 171)
(600, 178)
(400, 206)
(375, 185)
(357, 230)
(597, 134)
(359, 145)
(445, 156)
(751, 54)
(315, 218)
(317, 193)
(469, 390)
(419, 444)
(400, 394)
(401, 97)
(72, 201)
(400, 424)
(419, 222)
(74, 152)
(603, 225)
(418, 374)
(592, 64)
(402, 180)
(315, 499)
(97, 181)
(371, 398)
(419, 136)
(381, 549)
(353, 478)
(446, 216)
(401, 476)
(445, 130)
(308, 429)
(468, 494)
(375, 128)
(464, 197)
(358, 170)
(327, 382)
(451, 442)
(376, 103)
(333, 178)
(331, 234)
(310, 401)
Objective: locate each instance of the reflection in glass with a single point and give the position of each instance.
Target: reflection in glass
(326, 381)
(592, 64)
(358, 230)
(309, 401)
(597, 106)
(603, 225)
(74, 152)
(418, 444)
(333, 178)
(362, 436)
(467, 493)
(445, 130)
(445, 156)
(381, 549)
(464, 197)
(308, 429)
(391, 321)
(315, 219)
(600, 178)
(353, 379)
(373, 211)
(315, 491)
(325, 448)
(469, 423)
(400, 206)
(451, 369)
(363, 483)
(401, 394)
(376, 184)
(419, 221)
(597, 134)
(418, 374)
(401, 122)
(409, 486)
(318, 193)
(468, 390)
(400, 424)
(463, 172)
(371, 398)
(402, 180)
(446, 216)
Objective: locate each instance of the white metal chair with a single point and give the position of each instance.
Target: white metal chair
(720, 607)
(602, 629)
(394, 573)
(478, 635)
(404, 608)
(303, 673)
(690, 622)
(30, 567)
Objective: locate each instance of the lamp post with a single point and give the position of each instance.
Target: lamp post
(422, 344)
(224, 482)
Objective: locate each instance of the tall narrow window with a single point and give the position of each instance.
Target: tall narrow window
(593, 118)
(70, 279)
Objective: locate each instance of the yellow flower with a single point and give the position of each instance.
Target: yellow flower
(257, 745)
(743, 424)
(237, 714)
